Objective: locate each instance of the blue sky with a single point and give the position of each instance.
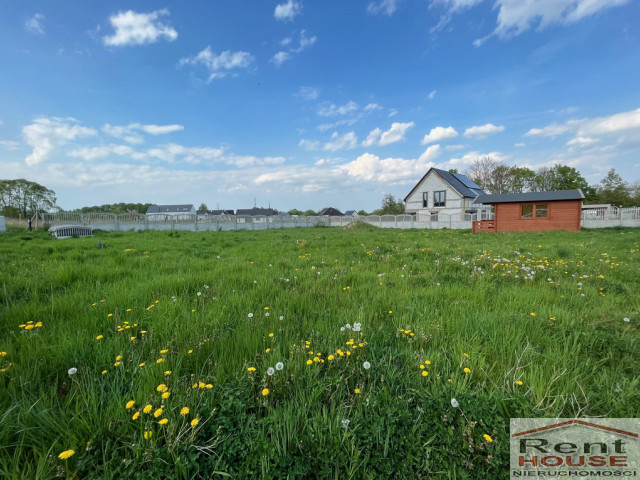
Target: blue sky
(308, 104)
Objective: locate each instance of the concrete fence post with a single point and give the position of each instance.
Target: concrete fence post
(115, 220)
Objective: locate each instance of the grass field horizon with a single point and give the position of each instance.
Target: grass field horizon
(307, 353)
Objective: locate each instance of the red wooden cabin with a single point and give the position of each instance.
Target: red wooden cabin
(532, 212)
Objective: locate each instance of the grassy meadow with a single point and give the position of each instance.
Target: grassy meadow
(357, 353)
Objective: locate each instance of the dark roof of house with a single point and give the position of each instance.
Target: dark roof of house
(215, 212)
(170, 208)
(462, 184)
(256, 211)
(333, 212)
(531, 197)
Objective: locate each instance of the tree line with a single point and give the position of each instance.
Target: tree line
(22, 199)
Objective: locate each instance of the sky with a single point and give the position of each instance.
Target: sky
(309, 104)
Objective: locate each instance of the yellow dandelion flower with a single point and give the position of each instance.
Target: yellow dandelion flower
(104, 372)
(265, 392)
(99, 337)
(267, 350)
(487, 438)
(164, 421)
(251, 369)
(425, 373)
(66, 454)
(309, 362)
(166, 395)
(195, 422)
(110, 315)
(184, 411)
(160, 360)
(422, 367)
(142, 365)
(466, 355)
(118, 358)
(3, 354)
(128, 309)
(157, 413)
(117, 364)
(519, 382)
(190, 352)
(271, 335)
(161, 388)
(533, 314)
(340, 352)
(330, 357)
(427, 362)
(147, 409)
(135, 416)
(357, 390)
(467, 370)
(132, 338)
(209, 386)
(130, 404)
(164, 350)
(201, 385)
(148, 434)
(168, 372)
(348, 353)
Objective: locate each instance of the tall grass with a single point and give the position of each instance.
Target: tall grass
(536, 319)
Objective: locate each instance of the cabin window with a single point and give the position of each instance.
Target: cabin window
(542, 211)
(434, 216)
(439, 198)
(425, 199)
(527, 211)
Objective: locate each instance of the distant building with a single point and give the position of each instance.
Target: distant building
(214, 213)
(179, 212)
(351, 213)
(255, 211)
(332, 212)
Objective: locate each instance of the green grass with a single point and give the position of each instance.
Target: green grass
(545, 310)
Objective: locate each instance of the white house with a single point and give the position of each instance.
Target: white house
(178, 212)
(441, 192)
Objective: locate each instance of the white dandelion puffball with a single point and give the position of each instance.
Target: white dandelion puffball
(250, 315)
(366, 365)
(72, 371)
(266, 314)
(344, 423)
(199, 293)
(281, 317)
(625, 319)
(270, 371)
(342, 329)
(454, 403)
(279, 366)
(348, 326)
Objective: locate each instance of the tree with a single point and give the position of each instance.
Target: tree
(25, 197)
(481, 172)
(523, 179)
(614, 190)
(203, 206)
(296, 212)
(390, 206)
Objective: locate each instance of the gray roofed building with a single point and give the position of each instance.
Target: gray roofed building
(268, 212)
(553, 195)
(168, 209)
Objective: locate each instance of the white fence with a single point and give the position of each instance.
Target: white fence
(611, 217)
(626, 217)
(137, 222)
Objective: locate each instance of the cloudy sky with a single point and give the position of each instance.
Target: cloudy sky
(309, 104)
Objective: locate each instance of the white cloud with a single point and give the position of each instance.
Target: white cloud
(332, 110)
(34, 24)
(219, 66)
(372, 107)
(340, 123)
(430, 153)
(390, 171)
(483, 131)
(309, 145)
(395, 134)
(308, 93)
(520, 144)
(517, 16)
(393, 112)
(303, 42)
(616, 123)
(103, 151)
(552, 130)
(581, 141)
(133, 28)
(129, 133)
(9, 144)
(383, 7)
(453, 148)
(287, 11)
(45, 134)
(341, 142)
(438, 134)
(279, 58)
(456, 5)
(432, 94)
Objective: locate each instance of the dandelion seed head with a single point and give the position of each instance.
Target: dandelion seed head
(454, 403)
(72, 371)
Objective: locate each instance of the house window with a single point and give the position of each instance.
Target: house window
(434, 216)
(425, 199)
(542, 211)
(527, 211)
(439, 198)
